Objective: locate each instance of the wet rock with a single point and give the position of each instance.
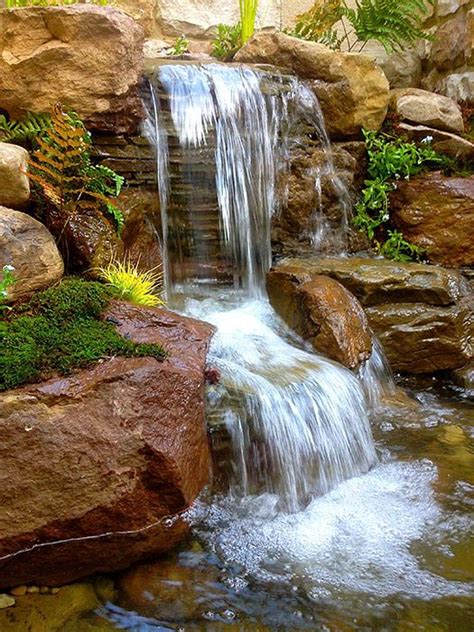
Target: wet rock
(14, 183)
(352, 89)
(464, 377)
(6, 601)
(108, 458)
(377, 281)
(70, 610)
(92, 57)
(418, 338)
(422, 314)
(443, 142)
(28, 246)
(437, 213)
(314, 197)
(325, 313)
(426, 108)
(141, 210)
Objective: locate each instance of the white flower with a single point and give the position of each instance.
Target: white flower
(8, 268)
(4, 293)
(427, 139)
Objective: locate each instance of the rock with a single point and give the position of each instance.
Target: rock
(459, 86)
(308, 208)
(14, 183)
(437, 213)
(443, 142)
(325, 313)
(421, 314)
(403, 70)
(446, 7)
(200, 19)
(451, 47)
(426, 108)
(464, 378)
(87, 239)
(19, 591)
(91, 55)
(141, 210)
(30, 249)
(6, 601)
(69, 611)
(376, 281)
(352, 89)
(421, 339)
(133, 455)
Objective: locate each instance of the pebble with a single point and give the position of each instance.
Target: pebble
(19, 591)
(6, 601)
(33, 589)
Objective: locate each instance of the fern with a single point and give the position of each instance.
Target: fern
(393, 23)
(31, 126)
(62, 169)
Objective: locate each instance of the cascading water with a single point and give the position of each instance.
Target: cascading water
(298, 422)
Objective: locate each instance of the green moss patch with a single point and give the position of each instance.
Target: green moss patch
(60, 330)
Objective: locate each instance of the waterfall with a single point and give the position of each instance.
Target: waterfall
(223, 134)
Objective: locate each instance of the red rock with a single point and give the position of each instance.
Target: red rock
(96, 468)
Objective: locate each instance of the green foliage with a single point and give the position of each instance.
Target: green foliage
(393, 23)
(30, 127)
(248, 14)
(390, 159)
(13, 4)
(180, 47)
(62, 170)
(227, 42)
(6, 282)
(60, 330)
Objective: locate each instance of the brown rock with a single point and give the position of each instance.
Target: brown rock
(443, 142)
(106, 459)
(426, 108)
(376, 281)
(352, 89)
(437, 213)
(325, 313)
(14, 183)
(421, 339)
(451, 47)
(91, 56)
(27, 245)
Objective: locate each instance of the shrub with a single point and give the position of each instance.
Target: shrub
(180, 47)
(63, 173)
(59, 330)
(390, 159)
(227, 42)
(142, 288)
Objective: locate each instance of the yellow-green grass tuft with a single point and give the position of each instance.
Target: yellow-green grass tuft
(131, 284)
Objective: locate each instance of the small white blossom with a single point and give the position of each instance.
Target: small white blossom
(4, 293)
(8, 268)
(427, 139)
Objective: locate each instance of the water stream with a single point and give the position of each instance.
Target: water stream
(317, 514)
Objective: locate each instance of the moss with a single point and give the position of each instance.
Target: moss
(60, 330)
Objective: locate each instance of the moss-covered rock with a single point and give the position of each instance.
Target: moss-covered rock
(61, 329)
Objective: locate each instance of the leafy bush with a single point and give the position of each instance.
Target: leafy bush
(180, 47)
(227, 42)
(393, 23)
(142, 288)
(390, 159)
(60, 330)
(62, 170)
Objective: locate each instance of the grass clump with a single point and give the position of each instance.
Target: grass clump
(59, 330)
(130, 284)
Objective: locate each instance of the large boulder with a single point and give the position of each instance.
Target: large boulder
(352, 89)
(96, 468)
(29, 247)
(323, 312)
(14, 183)
(426, 108)
(421, 313)
(437, 213)
(88, 57)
